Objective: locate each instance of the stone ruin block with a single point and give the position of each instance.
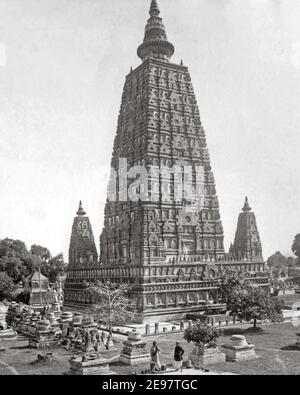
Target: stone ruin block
(208, 356)
(90, 365)
(134, 350)
(238, 349)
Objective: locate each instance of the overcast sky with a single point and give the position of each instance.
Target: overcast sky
(62, 68)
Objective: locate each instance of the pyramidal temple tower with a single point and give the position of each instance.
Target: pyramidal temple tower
(159, 128)
(82, 250)
(82, 254)
(247, 240)
(162, 231)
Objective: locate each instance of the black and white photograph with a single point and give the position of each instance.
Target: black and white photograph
(150, 194)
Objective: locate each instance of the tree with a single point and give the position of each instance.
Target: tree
(51, 267)
(14, 259)
(255, 304)
(278, 265)
(7, 287)
(54, 267)
(112, 301)
(18, 263)
(296, 246)
(13, 248)
(203, 336)
(43, 252)
(247, 302)
(231, 284)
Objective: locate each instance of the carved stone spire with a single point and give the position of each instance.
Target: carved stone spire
(81, 212)
(246, 207)
(156, 44)
(82, 250)
(154, 9)
(247, 240)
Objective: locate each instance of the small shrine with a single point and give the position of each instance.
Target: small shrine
(37, 286)
(134, 350)
(6, 333)
(90, 365)
(207, 356)
(238, 349)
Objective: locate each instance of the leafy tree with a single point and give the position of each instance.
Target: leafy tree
(255, 304)
(54, 268)
(278, 265)
(18, 263)
(203, 336)
(112, 301)
(296, 246)
(13, 248)
(231, 284)
(14, 259)
(247, 302)
(43, 252)
(51, 267)
(7, 287)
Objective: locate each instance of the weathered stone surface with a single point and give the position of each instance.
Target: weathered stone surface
(247, 239)
(8, 334)
(88, 366)
(209, 356)
(238, 349)
(170, 250)
(134, 350)
(3, 315)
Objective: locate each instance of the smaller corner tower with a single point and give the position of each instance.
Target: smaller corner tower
(82, 250)
(247, 240)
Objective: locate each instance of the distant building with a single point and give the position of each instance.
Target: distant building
(37, 286)
(247, 240)
(82, 254)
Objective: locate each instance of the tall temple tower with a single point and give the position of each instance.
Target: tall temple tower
(247, 240)
(162, 232)
(160, 128)
(82, 253)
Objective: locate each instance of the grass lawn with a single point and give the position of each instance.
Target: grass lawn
(273, 347)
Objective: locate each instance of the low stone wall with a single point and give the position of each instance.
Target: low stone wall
(291, 315)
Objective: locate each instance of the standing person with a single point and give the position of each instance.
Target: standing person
(154, 354)
(178, 357)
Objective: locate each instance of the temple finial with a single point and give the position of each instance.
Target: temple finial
(246, 205)
(155, 44)
(80, 211)
(154, 9)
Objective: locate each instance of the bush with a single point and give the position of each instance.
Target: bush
(202, 335)
(7, 287)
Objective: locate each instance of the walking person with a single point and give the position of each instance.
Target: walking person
(178, 357)
(154, 354)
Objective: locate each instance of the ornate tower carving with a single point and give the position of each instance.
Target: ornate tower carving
(159, 128)
(247, 240)
(82, 250)
(162, 231)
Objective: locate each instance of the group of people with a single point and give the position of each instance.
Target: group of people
(155, 365)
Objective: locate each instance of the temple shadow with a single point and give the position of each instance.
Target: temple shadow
(21, 348)
(291, 347)
(247, 331)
